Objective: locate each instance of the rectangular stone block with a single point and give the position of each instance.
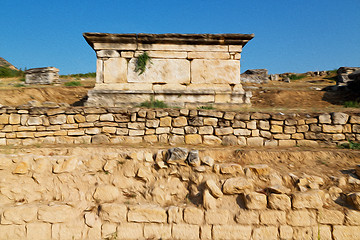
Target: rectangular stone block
(129, 231)
(268, 233)
(333, 217)
(147, 214)
(272, 217)
(13, 232)
(185, 231)
(230, 232)
(157, 231)
(161, 71)
(113, 212)
(218, 216)
(193, 215)
(38, 231)
(215, 71)
(180, 47)
(301, 218)
(346, 232)
(247, 217)
(56, 213)
(19, 214)
(166, 54)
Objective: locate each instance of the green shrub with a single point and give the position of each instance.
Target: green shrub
(141, 63)
(19, 85)
(350, 145)
(296, 77)
(7, 72)
(80, 75)
(351, 104)
(72, 84)
(154, 104)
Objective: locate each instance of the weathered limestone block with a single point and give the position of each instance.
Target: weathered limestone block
(13, 232)
(301, 218)
(231, 168)
(193, 215)
(279, 201)
(211, 140)
(268, 232)
(209, 202)
(259, 169)
(255, 200)
(179, 122)
(34, 121)
(333, 217)
(311, 199)
(215, 71)
(19, 214)
(193, 139)
(58, 119)
(38, 231)
(22, 168)
(161, 71)
(255, 141)
(273, 217)
(213, 188)
(339, 118)
(218, 216)
(106, 193)
(129, 231)
(352, 217)
(286, 232)
(108, 117)
(175, 214)
(325, 118)
(113, 212)
(66, 165)
(231, 232)
(157, 231)
(185, 231)
(236, 185)
(224, 131)
(206, 130)
(147, 214)
(346, 232)
(242, 132)
(354, 199)
(115, 70)
(247, 217)
(56, 213)
(332, 128)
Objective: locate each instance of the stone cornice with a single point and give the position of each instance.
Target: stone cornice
(169, 38)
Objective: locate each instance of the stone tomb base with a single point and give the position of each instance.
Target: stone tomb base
(222, 95)
(183, 70)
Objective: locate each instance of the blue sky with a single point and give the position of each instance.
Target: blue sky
(290, 35)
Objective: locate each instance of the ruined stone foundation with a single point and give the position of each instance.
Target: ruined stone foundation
(188, 70)
(176, 193)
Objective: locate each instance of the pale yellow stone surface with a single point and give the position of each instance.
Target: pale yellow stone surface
(185, 231)
(215, 71)
(161, 71)
(147, 213)
(115, 70)
(157, 231)
(208, 55)
(231, 232)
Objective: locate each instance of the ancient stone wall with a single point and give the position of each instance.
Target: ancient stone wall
(78, 125)
(116, 193)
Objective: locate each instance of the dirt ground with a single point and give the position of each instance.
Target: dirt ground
(304, 95)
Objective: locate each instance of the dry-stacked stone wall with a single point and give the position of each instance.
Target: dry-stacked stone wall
(79, 125)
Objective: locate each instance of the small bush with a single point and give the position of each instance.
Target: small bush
(80, 75)
(19, 85)
(154, 104)
(351, 104)
(72, 84)
(7, 72)
(296, 77)
(350, 145)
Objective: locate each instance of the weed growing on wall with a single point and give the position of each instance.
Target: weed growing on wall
(141, 63)
(154, 104)
(350, 145)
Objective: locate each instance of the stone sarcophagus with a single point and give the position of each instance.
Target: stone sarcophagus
(184, 70)
(45, 75)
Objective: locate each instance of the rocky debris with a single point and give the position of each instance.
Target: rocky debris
(236, 185)
(354, 199)
(193, 158)
(177, 155)
(208, 161)
(343, 75)
(255, 76)
(213, 188)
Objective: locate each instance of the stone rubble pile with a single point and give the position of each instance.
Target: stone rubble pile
(176, 193)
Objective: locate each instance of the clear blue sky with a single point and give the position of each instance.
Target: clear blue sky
(290, 35)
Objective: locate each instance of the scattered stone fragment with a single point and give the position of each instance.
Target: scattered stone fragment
(193, 158)
(236, 185)
(208, 161)
(279, 189)
(200, 169)
(231, 169)
(354, 199)
(209, 201)
(213, 188)
(259, 169)
(177, 155)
